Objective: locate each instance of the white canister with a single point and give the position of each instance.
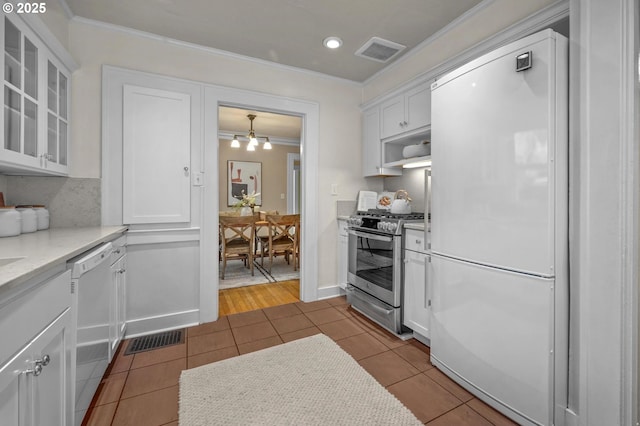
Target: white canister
(10, 222)
(42, 217)
(29, 219)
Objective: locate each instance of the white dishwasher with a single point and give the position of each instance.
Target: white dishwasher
(91, 279)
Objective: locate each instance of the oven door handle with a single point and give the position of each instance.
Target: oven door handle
(381, 309)
(371, 236)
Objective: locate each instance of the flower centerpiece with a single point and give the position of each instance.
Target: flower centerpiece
(246, 203)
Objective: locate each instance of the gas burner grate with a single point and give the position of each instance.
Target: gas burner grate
(155, 341)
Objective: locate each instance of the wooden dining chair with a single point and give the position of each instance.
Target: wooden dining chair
(283, 238)
(262, 234)
(237, 237)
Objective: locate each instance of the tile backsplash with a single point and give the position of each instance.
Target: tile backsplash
(412, 181)
(72, 202)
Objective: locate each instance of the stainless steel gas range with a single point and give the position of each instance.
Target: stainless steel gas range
(375, 265)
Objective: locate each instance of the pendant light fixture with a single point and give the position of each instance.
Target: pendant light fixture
(253, 139)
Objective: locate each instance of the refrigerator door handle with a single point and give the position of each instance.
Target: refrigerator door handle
(427, 211)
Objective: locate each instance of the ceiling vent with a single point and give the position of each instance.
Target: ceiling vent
(380, 50)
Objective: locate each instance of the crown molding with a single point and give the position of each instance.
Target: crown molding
(67, 10)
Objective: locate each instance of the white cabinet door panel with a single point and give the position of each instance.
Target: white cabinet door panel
(418, 108)
(416, 293)
(156, 156)
(392, 117)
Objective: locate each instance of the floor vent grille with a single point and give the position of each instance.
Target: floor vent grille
(155, 341)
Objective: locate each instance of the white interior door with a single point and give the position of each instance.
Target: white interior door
(156, 156)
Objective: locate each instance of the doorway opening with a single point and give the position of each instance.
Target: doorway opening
(271, 173)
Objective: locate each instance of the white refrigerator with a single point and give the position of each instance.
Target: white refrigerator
(499, 226)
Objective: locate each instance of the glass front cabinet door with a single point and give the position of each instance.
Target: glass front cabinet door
(35, 122)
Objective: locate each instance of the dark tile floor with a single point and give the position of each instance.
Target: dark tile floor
(142, 389)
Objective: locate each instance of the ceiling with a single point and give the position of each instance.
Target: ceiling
(278, 127)
(287, 32)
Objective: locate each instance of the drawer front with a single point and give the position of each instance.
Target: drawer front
(25, 317)
(415, 240)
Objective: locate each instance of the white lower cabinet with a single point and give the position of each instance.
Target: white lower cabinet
(417, 292)
(118, 311)
(343, 252)
(37, 360)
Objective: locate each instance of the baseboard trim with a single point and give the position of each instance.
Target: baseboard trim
(158, 324)
(329, 292)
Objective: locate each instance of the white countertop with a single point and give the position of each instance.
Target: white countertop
(45, 249)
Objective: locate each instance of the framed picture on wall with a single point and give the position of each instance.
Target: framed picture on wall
(243, 177)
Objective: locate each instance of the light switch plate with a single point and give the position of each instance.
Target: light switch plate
(196, 179)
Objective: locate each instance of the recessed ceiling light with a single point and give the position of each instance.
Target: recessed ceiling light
(332, 42)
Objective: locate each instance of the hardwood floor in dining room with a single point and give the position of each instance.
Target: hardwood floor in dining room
(248, 298)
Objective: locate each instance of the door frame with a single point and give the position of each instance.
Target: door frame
(214, 97)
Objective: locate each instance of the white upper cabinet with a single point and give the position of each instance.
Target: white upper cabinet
(371, 146)
(407, 112)
(36, 90)
(156, 156)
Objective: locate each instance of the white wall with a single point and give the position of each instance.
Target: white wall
(56, 20)
(339, 151)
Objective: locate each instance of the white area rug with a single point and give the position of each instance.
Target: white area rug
(311, 381)
(237, 275)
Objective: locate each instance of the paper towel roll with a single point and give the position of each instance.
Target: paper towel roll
(419, 150)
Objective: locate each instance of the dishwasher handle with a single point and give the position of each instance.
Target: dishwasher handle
(90, 260)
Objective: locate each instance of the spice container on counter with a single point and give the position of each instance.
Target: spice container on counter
(42, 216)
(10, 222)
(29, 219)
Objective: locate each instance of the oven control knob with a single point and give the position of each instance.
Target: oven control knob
(392, 227)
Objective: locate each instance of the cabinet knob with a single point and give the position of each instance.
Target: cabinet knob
(38, 364)
(44, 361)
(36, 370)
(122, 271)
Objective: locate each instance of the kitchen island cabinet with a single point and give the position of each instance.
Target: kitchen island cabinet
(417, 291)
